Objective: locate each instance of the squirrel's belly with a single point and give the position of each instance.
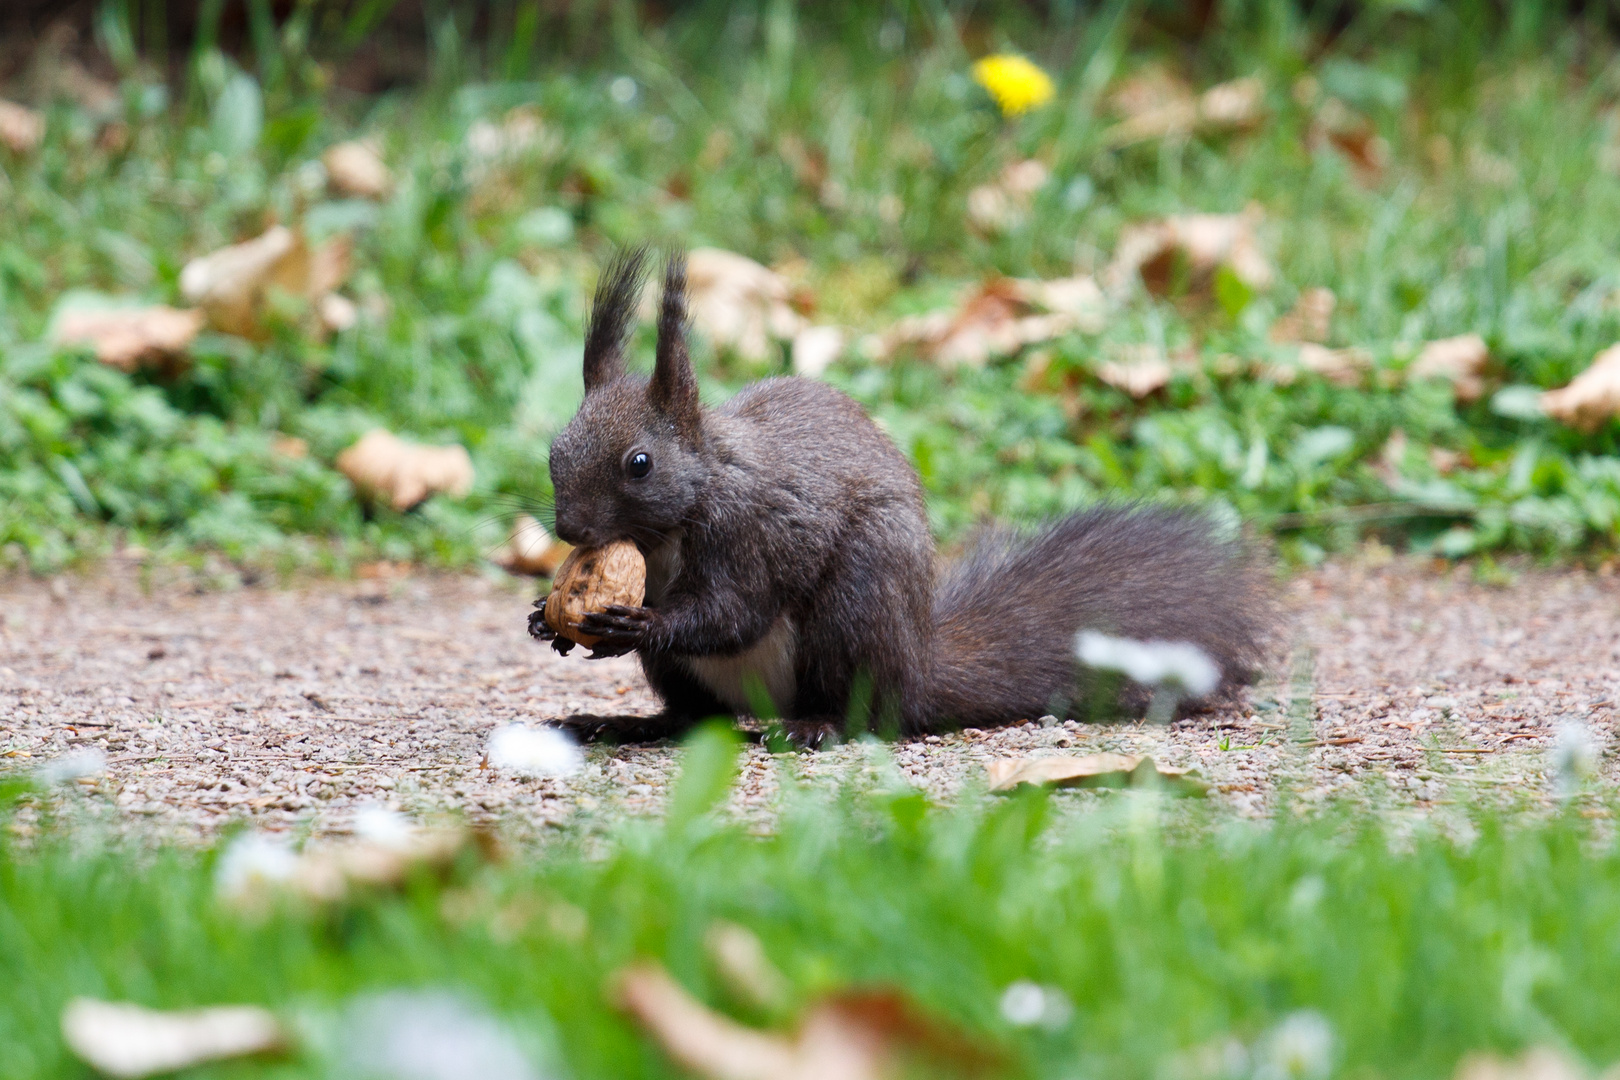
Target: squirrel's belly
(769, 663)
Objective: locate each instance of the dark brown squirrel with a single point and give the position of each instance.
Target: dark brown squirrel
(788, 553)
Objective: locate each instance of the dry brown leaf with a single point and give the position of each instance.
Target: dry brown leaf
(128, 338)
(63, 76)
(404, 473)
(231, 285)
(854, 1036)
(1592, 398)
(1172, 110)
(1205, 242)
(1088, 770)
(1004, 202)
(530, 549)
(1536, 1063)
(1141, 370)
(56, 72)
(521, 130)
(128, 1041)
(1346, 367)
(337, 312)
(328, 870)
(1310, 319)
(1352, 134)
(1444, 461)
(709, 1044)
(357, 169)
(1149, 87)
(1235, 104)
(815, 348)
(21, 128)
(739, 304)
(743, 966)
(1458, 360)
(997, 318)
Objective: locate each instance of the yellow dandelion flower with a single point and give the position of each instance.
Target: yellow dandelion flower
(1017, 84)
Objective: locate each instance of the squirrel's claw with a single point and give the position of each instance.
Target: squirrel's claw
(617, 628)
(812, 734)
(541, 630)
(603, 651)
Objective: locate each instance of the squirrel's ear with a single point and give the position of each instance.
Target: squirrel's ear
(673, 390)
(613, 313)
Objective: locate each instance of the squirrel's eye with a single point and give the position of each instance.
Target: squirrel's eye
(639, 465)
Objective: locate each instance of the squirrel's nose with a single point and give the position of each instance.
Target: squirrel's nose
(569, 529)
(571, 525)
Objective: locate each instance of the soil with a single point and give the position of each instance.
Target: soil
(294, 706)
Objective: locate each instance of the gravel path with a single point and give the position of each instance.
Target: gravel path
(294, 706)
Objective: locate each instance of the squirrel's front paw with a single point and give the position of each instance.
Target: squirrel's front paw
(541, 630)
(618, 629)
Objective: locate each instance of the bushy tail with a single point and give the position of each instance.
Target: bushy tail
(1007, 615)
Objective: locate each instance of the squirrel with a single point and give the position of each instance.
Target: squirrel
(789, 554)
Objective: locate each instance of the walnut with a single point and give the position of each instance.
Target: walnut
(592, 579)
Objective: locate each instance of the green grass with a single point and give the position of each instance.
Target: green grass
(1170, 927)
(473, 276)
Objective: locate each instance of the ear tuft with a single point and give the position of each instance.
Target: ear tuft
(613, 315)
(673, 390)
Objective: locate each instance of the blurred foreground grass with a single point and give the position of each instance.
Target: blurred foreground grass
(841, 149)
(1170, 939)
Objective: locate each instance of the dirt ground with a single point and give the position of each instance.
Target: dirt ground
(294, 706)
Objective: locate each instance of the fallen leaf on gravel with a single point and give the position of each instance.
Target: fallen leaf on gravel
(1004, 202)
(845, 1037)
(21, 128)
(1089, 770)
(357, 169)
(128, 338)
(530, 549)
(743, 966)
(125, 1040)
(231, 284)
(1310, 319)
(739, 304)
(1593, 396)
(1458, 360)
(404, 473)
(1205, 242)
(1342, 366)
(1536, 1063)
(1352, 134)
(996, 318)
(1175, 111)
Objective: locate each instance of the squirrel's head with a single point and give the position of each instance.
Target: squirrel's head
(630, 464)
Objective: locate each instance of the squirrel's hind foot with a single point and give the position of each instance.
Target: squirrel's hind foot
(814, 733)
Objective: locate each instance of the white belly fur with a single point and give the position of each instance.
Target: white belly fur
(770, 660)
